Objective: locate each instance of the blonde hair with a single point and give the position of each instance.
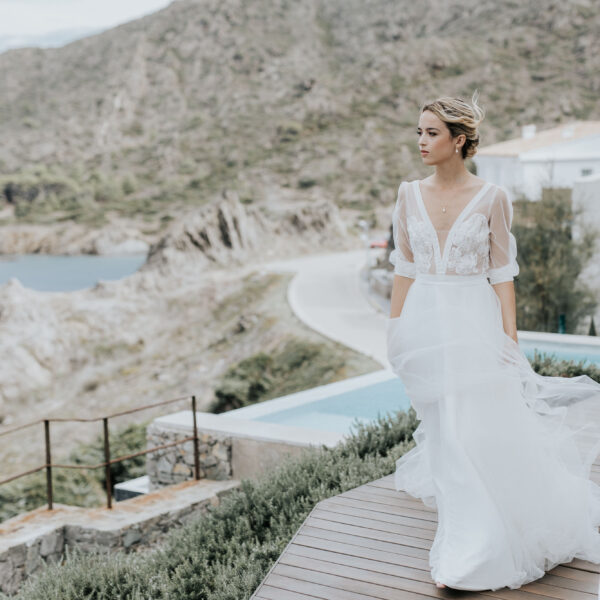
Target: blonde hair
(460, 117)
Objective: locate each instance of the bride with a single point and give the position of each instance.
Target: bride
(504, 454)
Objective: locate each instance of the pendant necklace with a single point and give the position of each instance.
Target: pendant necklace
(443, 207)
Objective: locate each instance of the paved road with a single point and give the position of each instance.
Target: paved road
(327, 295)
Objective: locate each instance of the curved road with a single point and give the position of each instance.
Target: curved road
(327, 295)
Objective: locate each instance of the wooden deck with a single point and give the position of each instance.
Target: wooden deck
(373, 542)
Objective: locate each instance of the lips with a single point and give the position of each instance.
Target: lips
(424, 152)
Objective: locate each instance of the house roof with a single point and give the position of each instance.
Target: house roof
(542, 139)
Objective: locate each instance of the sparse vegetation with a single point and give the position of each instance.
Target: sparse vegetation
(350, 91)
(297, 365)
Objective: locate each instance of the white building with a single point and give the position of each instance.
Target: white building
(586, 198)
(556, 157)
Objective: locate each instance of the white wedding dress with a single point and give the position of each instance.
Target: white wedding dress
(504, 454)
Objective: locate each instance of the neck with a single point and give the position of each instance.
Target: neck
(451, 173)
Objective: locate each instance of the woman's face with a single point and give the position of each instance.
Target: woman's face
(435, 139)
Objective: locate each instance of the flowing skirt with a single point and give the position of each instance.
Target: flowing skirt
(504, 454)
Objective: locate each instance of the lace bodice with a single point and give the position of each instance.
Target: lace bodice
(478, 241)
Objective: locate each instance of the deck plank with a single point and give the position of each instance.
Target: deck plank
(373, 542)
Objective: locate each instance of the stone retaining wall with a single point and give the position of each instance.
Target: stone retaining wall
(32, 540)
(176, 464)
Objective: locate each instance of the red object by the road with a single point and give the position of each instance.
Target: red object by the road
(379, 244)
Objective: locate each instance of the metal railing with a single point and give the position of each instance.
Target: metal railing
(108, 461)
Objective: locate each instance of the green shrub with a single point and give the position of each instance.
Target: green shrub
(264, 376)
(546, 364)
(551, 260)
(129, 184)
(38, 190)
(224, 554)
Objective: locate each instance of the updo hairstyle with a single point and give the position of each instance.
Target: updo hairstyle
(459, 117)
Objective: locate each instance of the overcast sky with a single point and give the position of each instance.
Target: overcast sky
(33, 22)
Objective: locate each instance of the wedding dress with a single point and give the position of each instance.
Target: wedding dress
(504, 454)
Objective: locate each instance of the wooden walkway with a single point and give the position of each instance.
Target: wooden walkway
(373, 542)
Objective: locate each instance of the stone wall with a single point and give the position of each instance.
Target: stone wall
(229, 447)
(176, 464)
(32, 540)
(20, 561)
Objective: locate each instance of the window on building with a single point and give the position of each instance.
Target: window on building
(586, 171)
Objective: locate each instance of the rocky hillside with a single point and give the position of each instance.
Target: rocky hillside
(275, 101)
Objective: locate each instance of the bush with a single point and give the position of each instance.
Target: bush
(129, 184)
(38, 190)
(264, 376)
(546, 364)
(224, 554)
(551, 261)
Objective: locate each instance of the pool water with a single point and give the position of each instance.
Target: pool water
(51, 273)
(339, 412)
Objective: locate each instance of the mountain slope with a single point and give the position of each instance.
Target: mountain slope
(272, 99)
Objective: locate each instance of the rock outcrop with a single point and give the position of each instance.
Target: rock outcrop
(232, 233)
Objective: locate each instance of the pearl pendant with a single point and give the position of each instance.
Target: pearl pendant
(443, 209)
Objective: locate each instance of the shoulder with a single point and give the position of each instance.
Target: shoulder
(403, 188)
(407, 183)
(403, 196)
(502, 195)
(501, 205)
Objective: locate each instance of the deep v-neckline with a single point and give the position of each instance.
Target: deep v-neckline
(441, 259)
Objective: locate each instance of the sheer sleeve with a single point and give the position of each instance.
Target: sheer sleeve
(503, 246)
(401, 256)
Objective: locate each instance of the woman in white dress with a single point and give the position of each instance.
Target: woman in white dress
(504, 454)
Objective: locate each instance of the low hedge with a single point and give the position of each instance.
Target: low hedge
(225, 553)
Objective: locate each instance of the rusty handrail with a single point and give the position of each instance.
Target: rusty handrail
(108, 461)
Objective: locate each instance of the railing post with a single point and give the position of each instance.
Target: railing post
(107, 461)
(196, 452)
(48, 463)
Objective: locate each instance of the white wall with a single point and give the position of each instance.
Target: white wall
(501, 170)
(558, 165)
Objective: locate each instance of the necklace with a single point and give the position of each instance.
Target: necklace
(443, 208)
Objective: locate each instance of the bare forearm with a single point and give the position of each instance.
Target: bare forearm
(399, 290)
(506, 294)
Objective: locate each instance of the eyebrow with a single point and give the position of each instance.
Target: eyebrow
(434, 128)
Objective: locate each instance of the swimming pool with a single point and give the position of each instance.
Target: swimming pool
(589, 352)
(332, 407)
(336, 407)
(339, 412)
